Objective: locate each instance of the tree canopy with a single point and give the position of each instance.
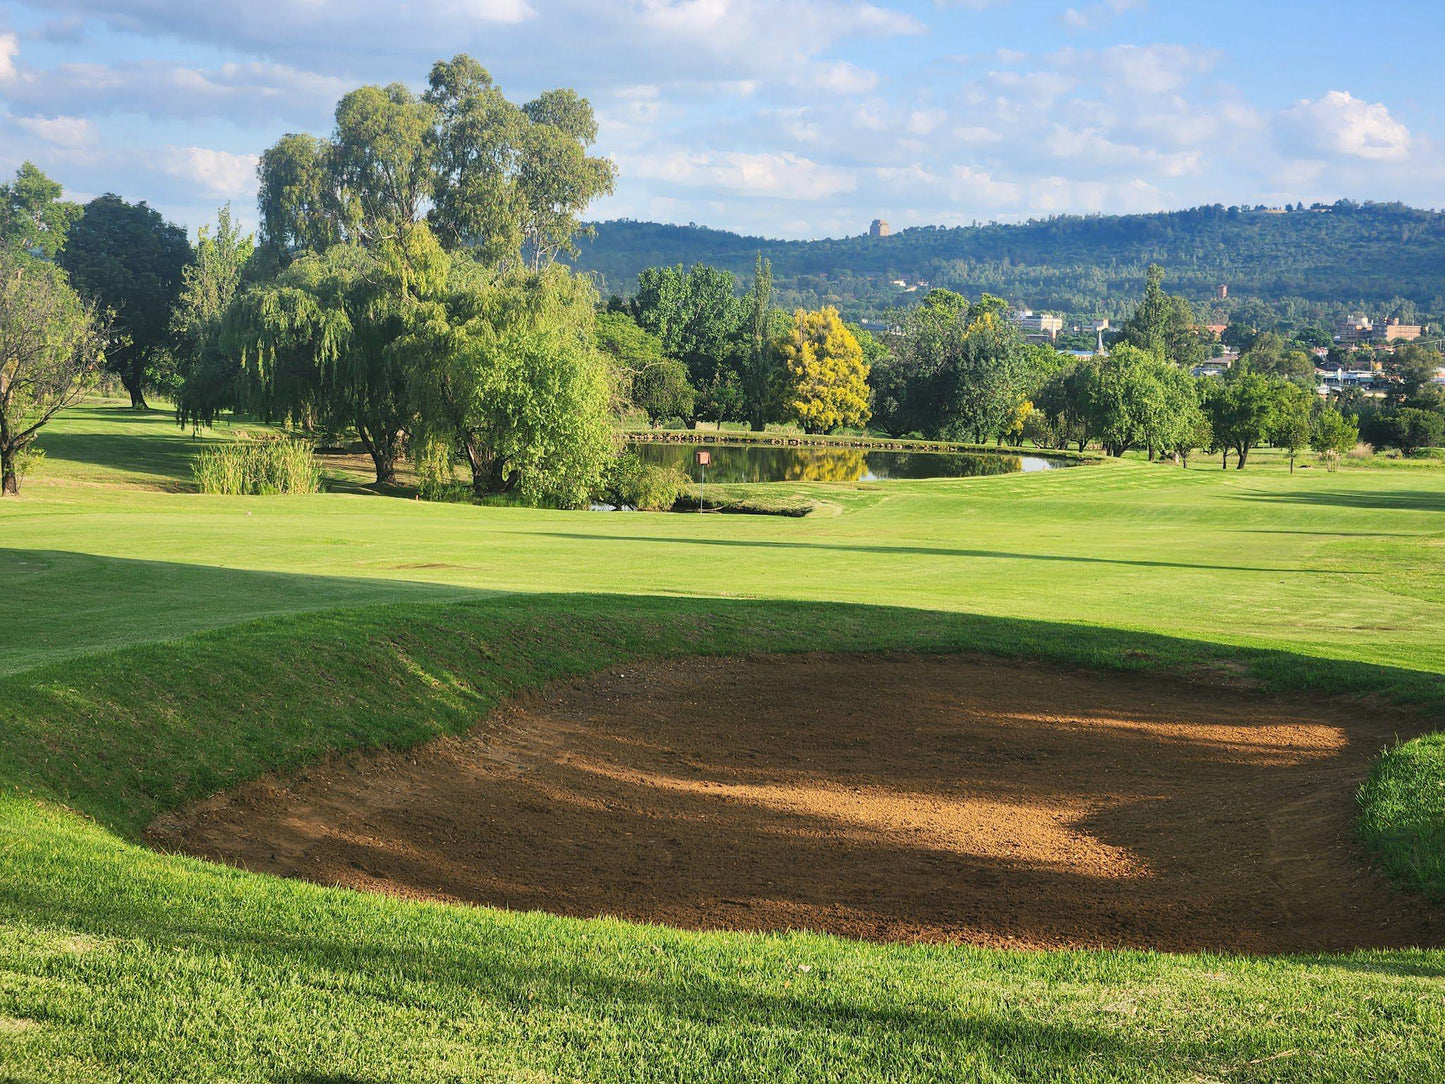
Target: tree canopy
(130, 260)
(51, 343)
(505, 181)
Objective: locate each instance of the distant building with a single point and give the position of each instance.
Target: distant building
(878, 228)
(1040, 325)
(1360, 329)
(1394, 331)
(1222, 291)
(1214, 366)
(1097, 326)
(1355, 329)
(1217, 330)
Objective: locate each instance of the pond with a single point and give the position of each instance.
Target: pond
(772, 463)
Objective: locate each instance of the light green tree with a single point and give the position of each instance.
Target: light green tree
(506, 368)
(51, 346)
(33, 217)
(1332, 435)
(1289, 427)
(208, 286)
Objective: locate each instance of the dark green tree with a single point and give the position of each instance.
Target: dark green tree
(130, 261)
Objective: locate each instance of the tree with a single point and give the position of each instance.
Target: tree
(695, 312)
(1272, 356)
(1332, 435)
(1163, 324)
(319, 343)
(661, 391)
(51, 345)
(1241, 409)
(506, 369)
(1290, 427)
(33, 217)
(506, 183)
(643, 375)
(1410, 429)
(827, 376)
(1414, 367)
(129, 260)
(962, 367)
(759, 373)
(1066, 401)
(1127, 403)
(208, 286)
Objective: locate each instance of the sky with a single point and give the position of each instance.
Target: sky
(784, 118)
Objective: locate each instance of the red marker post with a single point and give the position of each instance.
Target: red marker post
(704, 460)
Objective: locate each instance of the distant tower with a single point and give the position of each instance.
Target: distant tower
(1223, 291)
(878, 228)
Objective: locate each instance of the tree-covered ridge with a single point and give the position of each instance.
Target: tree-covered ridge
(1385, 257)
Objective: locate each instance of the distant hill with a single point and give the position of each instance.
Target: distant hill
(1387, 259)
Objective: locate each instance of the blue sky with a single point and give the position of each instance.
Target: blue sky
(794, 118)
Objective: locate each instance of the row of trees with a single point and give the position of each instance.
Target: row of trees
(695, 349)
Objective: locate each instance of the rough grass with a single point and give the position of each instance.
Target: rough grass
(1403, 813)
(258, 469)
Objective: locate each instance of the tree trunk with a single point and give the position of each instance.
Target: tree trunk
(383, 458)
(132, 377)
(9, 478)
(385, 468)
(1241, 454)
(479, 467)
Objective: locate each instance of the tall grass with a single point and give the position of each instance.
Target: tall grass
(264, 467)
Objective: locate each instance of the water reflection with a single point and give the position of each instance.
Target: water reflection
(770, 463)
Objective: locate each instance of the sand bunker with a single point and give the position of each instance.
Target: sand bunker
(897, 798)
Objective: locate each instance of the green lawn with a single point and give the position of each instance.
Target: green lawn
(158, 644)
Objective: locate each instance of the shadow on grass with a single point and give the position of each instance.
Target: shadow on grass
(1394, 500)
(936, 551)
(157, 446)
(194, 598)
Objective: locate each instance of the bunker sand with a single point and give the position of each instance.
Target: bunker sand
(894, 798)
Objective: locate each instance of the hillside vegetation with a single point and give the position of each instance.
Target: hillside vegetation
(1370, 255)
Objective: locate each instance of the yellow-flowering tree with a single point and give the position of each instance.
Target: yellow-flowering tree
(827, 376)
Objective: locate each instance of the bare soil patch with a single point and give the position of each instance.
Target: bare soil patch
(895, 798)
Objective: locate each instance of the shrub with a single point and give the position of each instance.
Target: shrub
(631, 483)
(265, 467)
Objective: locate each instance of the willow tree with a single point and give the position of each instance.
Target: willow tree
(506, 368)
(319, 343)
(51, 346)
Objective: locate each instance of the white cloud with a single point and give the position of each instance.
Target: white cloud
(220, 173)
(72, 133)
(841, 77)
(243, 92)
(1341, 125)
(1094, 16)
(9, 50)
(782, 176)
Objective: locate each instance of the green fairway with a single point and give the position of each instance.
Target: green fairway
(159, 644)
